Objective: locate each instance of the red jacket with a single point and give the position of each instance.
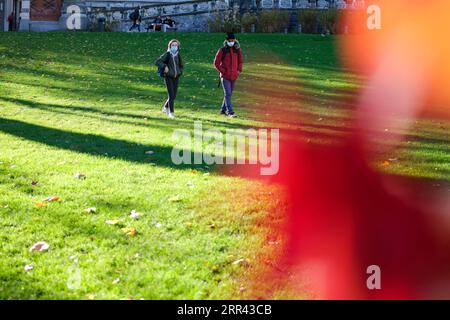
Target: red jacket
(229, 64)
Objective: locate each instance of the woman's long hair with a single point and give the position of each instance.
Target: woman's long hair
(172, 41)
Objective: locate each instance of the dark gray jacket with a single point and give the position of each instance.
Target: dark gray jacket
(174, 63)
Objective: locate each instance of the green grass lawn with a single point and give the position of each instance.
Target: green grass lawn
(91, 103)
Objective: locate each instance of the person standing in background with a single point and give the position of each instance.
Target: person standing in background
(11, 22)
(135, 16)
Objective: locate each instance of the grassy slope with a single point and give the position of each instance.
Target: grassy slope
(91, 103)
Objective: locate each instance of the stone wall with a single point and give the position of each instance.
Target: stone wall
(191, 23)
(189, 15)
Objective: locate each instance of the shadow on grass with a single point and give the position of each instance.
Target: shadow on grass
(315, 130)
(144, 120)
(90, 144)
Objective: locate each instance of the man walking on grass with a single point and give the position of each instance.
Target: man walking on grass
(228, 62)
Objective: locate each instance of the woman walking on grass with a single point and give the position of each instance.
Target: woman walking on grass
(170, 66)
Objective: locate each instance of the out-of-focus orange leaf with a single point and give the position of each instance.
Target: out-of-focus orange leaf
(40, 205)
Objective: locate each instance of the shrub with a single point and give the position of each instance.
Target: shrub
(93, 25)
(215, 23)
(232, 21)
(273, 21)
(329, 20)
(113, 25)
(308, 20)
(227, 21)
(247, 20)
(355, 20)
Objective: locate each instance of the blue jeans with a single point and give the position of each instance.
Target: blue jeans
(228, 87)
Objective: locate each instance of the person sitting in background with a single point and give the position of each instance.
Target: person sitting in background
(169, 22)
(156, 24)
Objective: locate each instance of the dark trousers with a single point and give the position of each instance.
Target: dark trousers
(172, 88)
(135, 25)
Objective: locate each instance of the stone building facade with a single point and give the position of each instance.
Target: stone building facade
(50, 15)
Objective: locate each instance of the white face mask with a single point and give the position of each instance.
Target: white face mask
(230, 43)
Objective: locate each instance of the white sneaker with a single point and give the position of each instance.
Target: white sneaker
(171, 115)
(164, 110)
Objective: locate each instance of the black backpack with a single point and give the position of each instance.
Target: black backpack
(133, 16)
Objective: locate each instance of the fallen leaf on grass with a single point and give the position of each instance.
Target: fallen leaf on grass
(191, 185)
(135, 215)
(116, 281)
(177, 198)
(242, 262)
(274, 265)
(34, 183)
(79, 175)
(91, 210)
(28, 267)
(129, 231)
(52, 199)
(238, 261)
(112, 222)
(39, 246)
(40, 205)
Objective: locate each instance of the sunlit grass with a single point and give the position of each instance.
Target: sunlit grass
(91, 103)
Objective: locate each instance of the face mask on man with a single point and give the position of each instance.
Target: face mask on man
(174, 49)
(230, 43)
